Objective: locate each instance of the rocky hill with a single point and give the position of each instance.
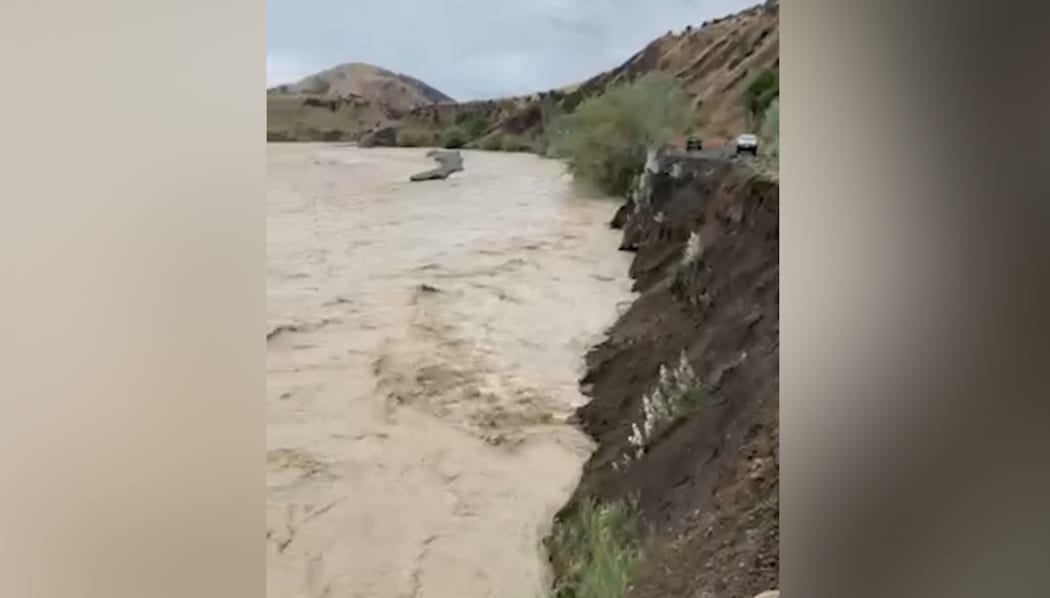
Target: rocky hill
(343, 101)
(715, 63)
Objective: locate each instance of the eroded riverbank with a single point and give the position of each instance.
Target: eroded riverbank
(424, 346)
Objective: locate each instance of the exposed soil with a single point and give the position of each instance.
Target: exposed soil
(706, 488)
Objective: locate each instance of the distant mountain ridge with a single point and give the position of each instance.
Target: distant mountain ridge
(338, 102)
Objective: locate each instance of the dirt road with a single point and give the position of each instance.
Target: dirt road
(424, 344)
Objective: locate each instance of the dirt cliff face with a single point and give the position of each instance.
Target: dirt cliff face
(704, 476)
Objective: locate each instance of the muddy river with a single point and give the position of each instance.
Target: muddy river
(424, 342)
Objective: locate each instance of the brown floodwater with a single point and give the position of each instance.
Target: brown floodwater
(424, 346)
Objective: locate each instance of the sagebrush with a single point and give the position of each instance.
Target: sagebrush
(762, 91)
(552, 119)
(414, 138)
(454, 137)
(605, 140)
(771, 129)
(515, 143)
(472, 125)
(492, 143)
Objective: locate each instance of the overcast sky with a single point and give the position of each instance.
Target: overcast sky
(473, 49)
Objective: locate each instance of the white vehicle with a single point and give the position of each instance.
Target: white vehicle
(747, 143)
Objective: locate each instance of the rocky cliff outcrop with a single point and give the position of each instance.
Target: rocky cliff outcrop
(684, 390)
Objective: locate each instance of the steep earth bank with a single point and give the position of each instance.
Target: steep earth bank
(684, 391)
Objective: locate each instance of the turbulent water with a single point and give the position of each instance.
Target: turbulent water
(424, 343)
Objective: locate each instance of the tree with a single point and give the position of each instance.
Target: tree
(762, 91)
(605, 140)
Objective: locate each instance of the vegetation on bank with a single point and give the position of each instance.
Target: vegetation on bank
(454, 138)
(467, 128)
(770, 132)
(593, 551)
(506, 142)
(605, 140)
(763, 102)
(415, 138)
(762, 91)
(551, 126)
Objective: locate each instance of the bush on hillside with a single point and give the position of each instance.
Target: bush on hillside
(414, 138)
(505, 142)
(762, 91)
(515, 143)
(771, 129)
(454, 138)
(473, 125)
(492, 143)
(605, 140)
(551, 121)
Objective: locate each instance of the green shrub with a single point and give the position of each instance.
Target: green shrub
(454, 137)
(473, 125)
(492, 143)
(514, 143)
(592, 551)
(771, 129)
(505, 142)
(762, 91)
(414, 138)
(605, 140)
(551, 122)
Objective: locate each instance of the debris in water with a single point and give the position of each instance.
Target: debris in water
(448, 162)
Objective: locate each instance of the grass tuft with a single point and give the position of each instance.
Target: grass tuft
(593, 551)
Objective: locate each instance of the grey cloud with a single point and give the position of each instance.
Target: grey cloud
(474, 48)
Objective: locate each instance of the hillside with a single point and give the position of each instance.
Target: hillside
(715, 63)
(340, 102)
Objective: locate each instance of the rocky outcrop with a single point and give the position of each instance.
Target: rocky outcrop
(448, 163)
(684, 390)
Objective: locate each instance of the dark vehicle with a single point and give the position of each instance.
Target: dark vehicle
(693, 144)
